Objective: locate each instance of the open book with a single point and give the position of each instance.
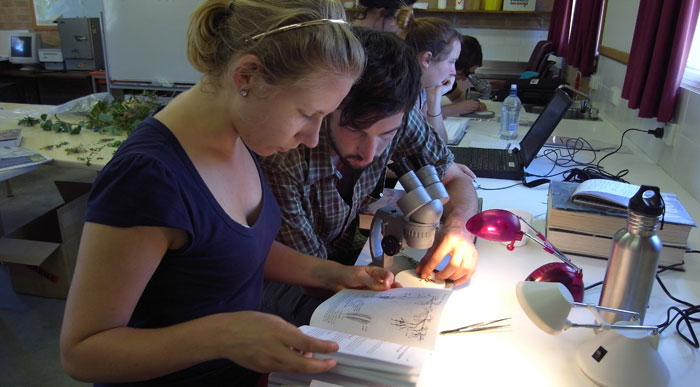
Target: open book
(615, 196)
(384, 337)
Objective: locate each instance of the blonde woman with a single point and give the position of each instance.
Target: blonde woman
(181, 224)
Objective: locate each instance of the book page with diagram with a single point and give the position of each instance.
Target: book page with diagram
(407, 316)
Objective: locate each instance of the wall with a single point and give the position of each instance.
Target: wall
(506, 45)
(680, 161)
(18, 15)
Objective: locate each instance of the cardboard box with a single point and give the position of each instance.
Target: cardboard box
(41, 254)
(519, 5)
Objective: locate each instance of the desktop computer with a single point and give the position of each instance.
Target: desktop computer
(24, 49)
(81, 43)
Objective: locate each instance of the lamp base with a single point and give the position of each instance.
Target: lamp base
(623, 358)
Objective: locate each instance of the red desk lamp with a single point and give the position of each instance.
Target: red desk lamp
(504, 226)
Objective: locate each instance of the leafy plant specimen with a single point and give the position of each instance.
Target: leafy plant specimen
(28, 121)
(116, 117)
(121, 116)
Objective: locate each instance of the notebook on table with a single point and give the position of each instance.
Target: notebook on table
(510, 164)
(456, 128)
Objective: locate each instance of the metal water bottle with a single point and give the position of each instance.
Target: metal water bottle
(634, 257)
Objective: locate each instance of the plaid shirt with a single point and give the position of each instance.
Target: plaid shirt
(316, 219)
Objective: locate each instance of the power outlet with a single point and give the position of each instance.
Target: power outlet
(670, 133)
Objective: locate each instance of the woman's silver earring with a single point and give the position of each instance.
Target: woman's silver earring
(243, 92)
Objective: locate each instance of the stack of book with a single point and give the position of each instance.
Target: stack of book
(583, 218)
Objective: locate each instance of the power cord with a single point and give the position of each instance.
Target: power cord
(684, 315)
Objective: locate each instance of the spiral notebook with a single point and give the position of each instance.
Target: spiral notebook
(511, 163)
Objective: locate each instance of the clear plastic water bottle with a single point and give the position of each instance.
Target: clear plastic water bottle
(510, 115)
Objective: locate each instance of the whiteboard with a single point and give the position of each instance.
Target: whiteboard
(145, 41)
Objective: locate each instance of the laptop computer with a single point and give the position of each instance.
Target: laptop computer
(511, 164)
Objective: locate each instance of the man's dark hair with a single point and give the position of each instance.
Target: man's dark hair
(470, 55)
(389, 85)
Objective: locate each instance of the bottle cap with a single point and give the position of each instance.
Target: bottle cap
(647, 201)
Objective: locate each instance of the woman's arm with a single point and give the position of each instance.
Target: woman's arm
(114, 266)
(433, 110)
(285, 264)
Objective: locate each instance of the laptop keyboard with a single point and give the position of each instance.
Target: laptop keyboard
(491, 159)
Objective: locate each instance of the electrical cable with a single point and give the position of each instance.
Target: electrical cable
(683, 315)
(500, 188)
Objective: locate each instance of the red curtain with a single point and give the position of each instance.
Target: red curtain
(583, 42)
(559, 26)
(660, 45)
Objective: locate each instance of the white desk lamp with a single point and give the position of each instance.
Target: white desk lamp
(622, 354)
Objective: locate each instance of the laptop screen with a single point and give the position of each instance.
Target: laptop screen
(544, 126)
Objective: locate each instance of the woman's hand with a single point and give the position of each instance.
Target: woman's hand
(441, 89)
(266, 343)
(361, 277)
(468, 106)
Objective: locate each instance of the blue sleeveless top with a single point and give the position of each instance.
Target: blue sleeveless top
(152, 182)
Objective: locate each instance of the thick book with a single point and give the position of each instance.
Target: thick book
(566, 211)
(389, 198)
(384, 337)
(599, 246)
(456, 128)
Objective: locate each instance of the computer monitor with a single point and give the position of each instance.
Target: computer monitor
(24, 49)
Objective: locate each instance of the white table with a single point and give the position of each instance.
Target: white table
(524, 355)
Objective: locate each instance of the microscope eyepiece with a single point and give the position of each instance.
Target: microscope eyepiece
(401, 167)
(418, 161)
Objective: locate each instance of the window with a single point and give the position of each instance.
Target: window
(691, 76)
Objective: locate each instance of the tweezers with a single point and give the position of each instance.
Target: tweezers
(482, 326)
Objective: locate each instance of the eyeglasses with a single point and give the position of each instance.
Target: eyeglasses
(296, 26)
(504, 226)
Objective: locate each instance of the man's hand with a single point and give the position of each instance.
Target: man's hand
(457, 242)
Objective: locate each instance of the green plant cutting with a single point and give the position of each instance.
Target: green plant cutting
(115, 117)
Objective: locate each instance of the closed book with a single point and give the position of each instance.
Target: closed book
(565, 213)
(599, 246)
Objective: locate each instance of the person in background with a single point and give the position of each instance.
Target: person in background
(437, 45)
(320, 190)
(180, 224)
(470, 58)
(383, 15)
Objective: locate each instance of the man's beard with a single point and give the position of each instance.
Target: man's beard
(346, 160)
